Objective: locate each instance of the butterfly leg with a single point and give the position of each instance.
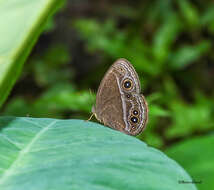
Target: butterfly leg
(104, 122)
(91, 116)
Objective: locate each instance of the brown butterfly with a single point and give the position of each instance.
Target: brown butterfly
(119, 104)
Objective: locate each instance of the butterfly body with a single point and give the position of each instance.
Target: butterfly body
(119, 104)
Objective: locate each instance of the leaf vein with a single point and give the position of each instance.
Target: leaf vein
(22, 153)
(11, 141)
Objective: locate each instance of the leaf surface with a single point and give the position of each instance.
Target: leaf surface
(196, 156)
(75, 154)
(21, 22)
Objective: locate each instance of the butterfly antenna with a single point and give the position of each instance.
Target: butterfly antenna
(91, 116)
(91, 92)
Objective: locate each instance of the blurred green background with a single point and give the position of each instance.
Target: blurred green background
(170, 43)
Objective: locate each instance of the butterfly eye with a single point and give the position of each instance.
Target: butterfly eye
(134, 119)
(128, 96)
(127, 84)
(135, 112)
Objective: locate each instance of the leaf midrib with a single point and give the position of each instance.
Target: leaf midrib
(22, 153)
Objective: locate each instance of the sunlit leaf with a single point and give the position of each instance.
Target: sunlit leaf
(21, 22)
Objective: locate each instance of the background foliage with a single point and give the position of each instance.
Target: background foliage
(170, 43)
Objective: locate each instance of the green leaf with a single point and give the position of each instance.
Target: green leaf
(152, 138)
(187, 54)
(63, 96)
(208, 16)
(58, 99)
(107, 38)
(165, 37)
(53, 61)
(21, 22)
(74, 154)
(196, 156)
(207, 19)
(189, 118)
(157, 110)
(189, 12)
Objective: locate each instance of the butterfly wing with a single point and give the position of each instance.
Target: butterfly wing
(108, 101)
(118, 94)
(136, 114)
